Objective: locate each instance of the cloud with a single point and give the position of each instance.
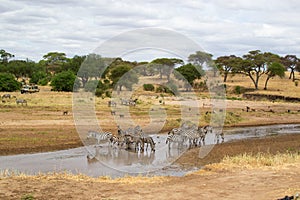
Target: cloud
(33, 28)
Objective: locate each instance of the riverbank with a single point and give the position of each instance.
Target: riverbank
(260, 168)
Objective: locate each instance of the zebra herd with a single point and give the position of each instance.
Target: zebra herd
(135, 139)
(193, 135)
(132, 138)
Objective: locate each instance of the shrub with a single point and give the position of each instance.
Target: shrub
(148, 87)
(63, 81)
(8, 83)
(39, 77)
(27, 197)
(239, 89)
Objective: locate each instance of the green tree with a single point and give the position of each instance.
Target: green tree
(204, 59)
(200, 58)
(227, 64)
(54, 61)
(8, 83)
(255, 63)
(63, 81)
(291, 62)
(123, 75)
(73, 64)
(92, 67)
(5, 56)
(21, 68)
(190, 73)
(40, 77)
(274, 69)
(166, 66)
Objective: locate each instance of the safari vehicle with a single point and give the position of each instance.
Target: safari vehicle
(29, 89)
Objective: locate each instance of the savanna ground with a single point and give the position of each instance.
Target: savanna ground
(265, 168)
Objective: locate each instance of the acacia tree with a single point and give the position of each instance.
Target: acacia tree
(5, 56)
(54, 60)
(166, 66)
(274, 69)
(291, 62)
(255, 65)
(227, 64)
(201, 58)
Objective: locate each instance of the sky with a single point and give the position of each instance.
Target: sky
(32, 28)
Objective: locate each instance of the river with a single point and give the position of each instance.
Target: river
(114, 162)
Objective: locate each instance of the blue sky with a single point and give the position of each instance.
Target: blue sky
(30, 29)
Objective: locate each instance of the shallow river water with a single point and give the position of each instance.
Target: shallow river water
(114, 162)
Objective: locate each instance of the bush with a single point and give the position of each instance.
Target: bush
(63, 81)
(239, 90)
(8, 83)
(148, 87)
(99, 92)
(40, 77)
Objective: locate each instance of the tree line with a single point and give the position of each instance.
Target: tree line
(94, 71)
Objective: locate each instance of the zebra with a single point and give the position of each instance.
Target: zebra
(189, 133)
(22, 101)
(207, 129)
(8, 96)
(218, 135)
(137, 140)
(114, 140)
(149, 140)
(120, 131)
(202, 135)
(172, 138)
(192, 136)
(104, 136)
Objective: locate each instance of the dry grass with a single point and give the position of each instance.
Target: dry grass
(276, 86)
(262, 161)
(54, 176)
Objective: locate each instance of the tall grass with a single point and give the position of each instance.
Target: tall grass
(260, 160)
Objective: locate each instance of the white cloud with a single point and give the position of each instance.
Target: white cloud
(30, 29)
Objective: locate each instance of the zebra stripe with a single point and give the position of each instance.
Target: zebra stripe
(179, 139)
(104, 136)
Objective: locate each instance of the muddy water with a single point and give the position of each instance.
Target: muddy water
(105, 160)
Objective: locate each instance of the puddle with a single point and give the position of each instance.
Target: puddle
(116, 162)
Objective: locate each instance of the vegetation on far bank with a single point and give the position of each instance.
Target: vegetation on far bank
(103, 75)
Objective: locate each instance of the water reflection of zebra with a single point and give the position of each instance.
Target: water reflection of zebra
(100, 137)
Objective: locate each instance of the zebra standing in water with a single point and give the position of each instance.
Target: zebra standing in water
(100, 137)
(189, 134)
(174, 138)
(209, 129)
(149, 140)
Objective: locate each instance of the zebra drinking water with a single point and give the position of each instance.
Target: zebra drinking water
(149, 140)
